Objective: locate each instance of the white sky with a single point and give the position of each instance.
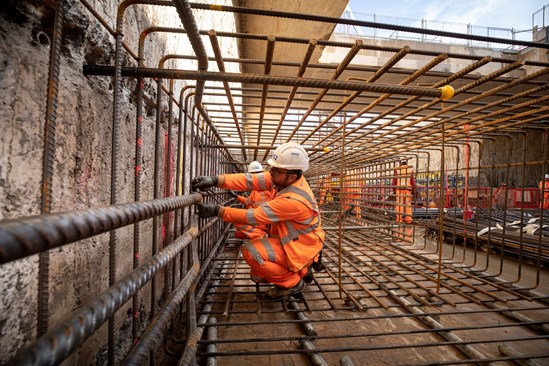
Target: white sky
(515, 14)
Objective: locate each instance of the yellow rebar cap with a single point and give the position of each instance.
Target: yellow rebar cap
(326, 149)
(447, 92)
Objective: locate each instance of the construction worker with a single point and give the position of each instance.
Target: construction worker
(324, 188)
(295, 234)
(255, 199)
(544, 192)
(499, 197)
(404, 184)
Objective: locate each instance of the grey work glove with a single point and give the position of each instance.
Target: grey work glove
(203, 182)
(206, 210)
(234, 195)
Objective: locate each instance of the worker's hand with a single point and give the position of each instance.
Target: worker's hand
(206, 210)
(203, 182)
(234, 195)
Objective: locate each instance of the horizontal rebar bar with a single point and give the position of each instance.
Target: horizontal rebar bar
(335, 228)
(362, 23)
(260, 147)
(405, 345)
(104, 70)
(30, 235)
(59, 342)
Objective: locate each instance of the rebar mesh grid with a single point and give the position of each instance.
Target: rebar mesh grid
(388, 311)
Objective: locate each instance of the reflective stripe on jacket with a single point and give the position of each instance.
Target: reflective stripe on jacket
(293, 214)
(256, 199)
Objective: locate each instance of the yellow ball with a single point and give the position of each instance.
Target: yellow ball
(447, 92)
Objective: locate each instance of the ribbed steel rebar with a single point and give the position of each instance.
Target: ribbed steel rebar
(466, 70)
(362, 23)
(193, 333)
(437, 60)
(30, 235)
(168, 189)
(347, 100)
(106, 25)
(187, 19)
(140, 107)
(63, 339)
(271, 42)
(465, 348)
(49, 155)
(261, 147)
(156, 230)
(153, 336)
(115, 141)
(337, 72)
(221, 66)
(389, 347)
(212, 336)
(289, 100)
(263, 79)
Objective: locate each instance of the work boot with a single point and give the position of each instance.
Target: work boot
(318, 266)
(278, 293)
(309, 277)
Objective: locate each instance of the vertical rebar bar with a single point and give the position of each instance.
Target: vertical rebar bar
(113, 242)
(137, 178)
(441, 210)
(168, 172)
(341, 201)
(302, 68)
(156, 185)
(269, 54)
(221, 66)
(48, 158)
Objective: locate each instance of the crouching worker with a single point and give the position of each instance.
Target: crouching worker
(254, 200)
(295, 235)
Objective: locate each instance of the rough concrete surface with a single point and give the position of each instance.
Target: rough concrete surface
(82, 163)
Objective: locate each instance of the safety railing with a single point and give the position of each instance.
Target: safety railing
(428, 24)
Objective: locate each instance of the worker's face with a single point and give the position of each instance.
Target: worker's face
(282, 177)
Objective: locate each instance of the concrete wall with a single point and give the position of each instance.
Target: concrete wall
(81, 176)
(414, 62)
(511, 148)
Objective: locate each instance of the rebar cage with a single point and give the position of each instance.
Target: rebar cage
(463, 283)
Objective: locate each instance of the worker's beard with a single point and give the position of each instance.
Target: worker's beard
(283, 184)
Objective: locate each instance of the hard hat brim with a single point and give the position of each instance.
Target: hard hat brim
(273, 163)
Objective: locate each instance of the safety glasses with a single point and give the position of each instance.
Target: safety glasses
(274, 170)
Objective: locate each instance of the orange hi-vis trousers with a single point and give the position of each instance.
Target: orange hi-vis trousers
(269, 264)
(545, 194)
(248, 232)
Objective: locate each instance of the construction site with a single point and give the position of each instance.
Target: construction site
(427, 158)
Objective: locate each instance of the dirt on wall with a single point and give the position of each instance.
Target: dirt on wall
(81, 169)
(82, 153)
(513, 148)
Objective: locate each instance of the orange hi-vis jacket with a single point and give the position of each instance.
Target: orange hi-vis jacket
(256, 198)
(292, 213)
(545, 193)
(404, 177)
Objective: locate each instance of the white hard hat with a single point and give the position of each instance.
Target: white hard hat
(291, 156)
(255, 167)
(546, 176)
